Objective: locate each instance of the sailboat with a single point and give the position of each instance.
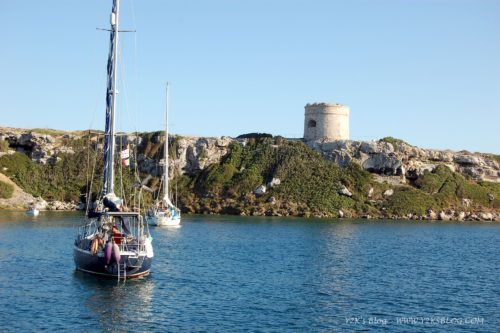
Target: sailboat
(164, 212)
(112, 242)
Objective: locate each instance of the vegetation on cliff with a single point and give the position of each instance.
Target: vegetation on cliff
(67, 179)
(309, 184)
(6, 190)
(390, 139)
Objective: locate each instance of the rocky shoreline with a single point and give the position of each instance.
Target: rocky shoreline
(283, 210)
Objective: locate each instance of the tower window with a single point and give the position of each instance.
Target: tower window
(311, 123)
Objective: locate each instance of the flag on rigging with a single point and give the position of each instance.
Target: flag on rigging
(125, 156)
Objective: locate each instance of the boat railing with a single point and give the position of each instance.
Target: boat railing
(90, 228)
(133, 234)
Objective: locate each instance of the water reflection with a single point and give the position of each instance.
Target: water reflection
(334, 268)
(116, 304)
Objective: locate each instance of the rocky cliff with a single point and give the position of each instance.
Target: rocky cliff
(396, 161)
(197, 161)
(392, 160)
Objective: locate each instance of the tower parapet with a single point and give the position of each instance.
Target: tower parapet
(326, 121)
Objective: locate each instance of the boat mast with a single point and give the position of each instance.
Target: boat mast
(109, 143)
(165, 174)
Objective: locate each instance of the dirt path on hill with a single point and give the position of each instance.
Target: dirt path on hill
(19, 199)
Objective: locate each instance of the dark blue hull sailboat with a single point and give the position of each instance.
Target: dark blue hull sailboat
(97, 265)
(112, 243)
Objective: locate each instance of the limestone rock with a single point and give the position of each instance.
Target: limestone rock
(486, 216)
(443, 216)
(369, 147)
(385, 164)
(345, 191)
(401, 159)
(389, 192)
(223, 141)
(274, 182)
(468, 160)
(474, 172)
(260, 190)
(64, 150)
(466, 202)
(417, 169)
(341, 157)
(432, 215)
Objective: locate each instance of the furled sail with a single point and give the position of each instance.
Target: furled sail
(110, 105)
(167, 202)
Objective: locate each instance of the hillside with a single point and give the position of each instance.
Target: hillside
(262, 175)
(15, 197)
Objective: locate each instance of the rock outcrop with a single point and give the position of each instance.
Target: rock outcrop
(40, 147)
(397, 161)
(191, 154)
(404, 162)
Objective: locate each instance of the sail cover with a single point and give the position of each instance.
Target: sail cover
(167, 202)
(109, 102)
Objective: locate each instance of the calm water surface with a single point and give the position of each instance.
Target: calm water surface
(258, 275)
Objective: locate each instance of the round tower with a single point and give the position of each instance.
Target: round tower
(326, 121)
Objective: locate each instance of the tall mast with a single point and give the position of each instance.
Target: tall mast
(165, 175)
(109, 142)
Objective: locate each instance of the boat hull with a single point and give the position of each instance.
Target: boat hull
(32, 212)
(96, 264)
(163, 220)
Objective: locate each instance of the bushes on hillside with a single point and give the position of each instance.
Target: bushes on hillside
(6, 190)
(392, 140)
(406, 200)
(307, 179)
(66, 180)
(448, 188)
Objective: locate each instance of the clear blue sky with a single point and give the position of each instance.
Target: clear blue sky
(424, 71)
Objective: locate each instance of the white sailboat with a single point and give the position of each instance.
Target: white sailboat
(164, 212)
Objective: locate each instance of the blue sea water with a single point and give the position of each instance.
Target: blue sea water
(243, 274)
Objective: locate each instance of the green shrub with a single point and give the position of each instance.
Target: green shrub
(6, 190)
(407, 200)
(448, 188)
(254, 136)
(49, 131)
(392, 140)
(15, 163)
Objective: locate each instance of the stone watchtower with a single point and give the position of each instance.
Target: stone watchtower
(326, 121)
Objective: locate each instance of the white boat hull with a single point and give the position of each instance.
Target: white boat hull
(162, 220)
(32, 212)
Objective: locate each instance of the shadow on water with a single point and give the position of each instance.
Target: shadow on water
(116, 305)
